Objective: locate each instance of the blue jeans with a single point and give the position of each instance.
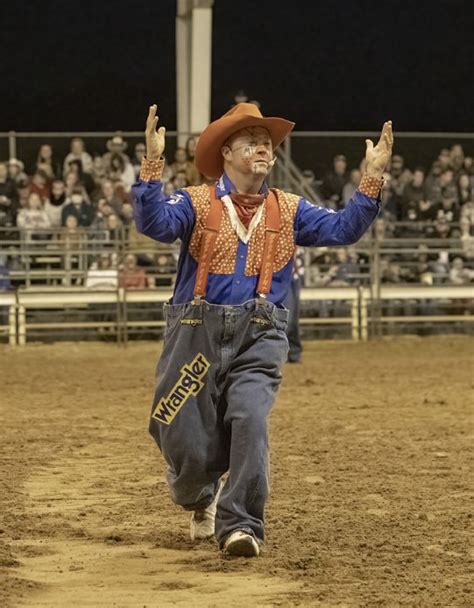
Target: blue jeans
(216, 382)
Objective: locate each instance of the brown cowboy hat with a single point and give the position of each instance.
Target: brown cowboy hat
(208, 156)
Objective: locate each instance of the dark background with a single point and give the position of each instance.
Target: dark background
(350, 65)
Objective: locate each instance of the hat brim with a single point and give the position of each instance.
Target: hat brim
(208, 156)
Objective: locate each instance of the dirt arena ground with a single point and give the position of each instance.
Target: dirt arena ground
(370, 504)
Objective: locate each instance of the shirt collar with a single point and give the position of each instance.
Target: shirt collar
(225, 186)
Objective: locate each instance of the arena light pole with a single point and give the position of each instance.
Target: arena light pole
(193, 65)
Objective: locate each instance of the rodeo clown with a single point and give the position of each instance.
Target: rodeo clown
(225, 341)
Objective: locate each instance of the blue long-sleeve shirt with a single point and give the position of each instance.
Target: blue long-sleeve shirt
(168, 218)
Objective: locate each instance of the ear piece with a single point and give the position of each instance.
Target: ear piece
(272, 162)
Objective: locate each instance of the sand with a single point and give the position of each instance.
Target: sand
(370, 488)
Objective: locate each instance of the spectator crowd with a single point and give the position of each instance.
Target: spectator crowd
(86, 198)
(427, 212)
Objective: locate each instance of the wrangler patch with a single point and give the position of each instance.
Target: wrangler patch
(189, 383)
(192, 322)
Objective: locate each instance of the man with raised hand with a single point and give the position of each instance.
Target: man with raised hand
(225, 341)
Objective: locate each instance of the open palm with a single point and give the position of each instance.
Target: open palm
(155, 140)
(377, 157)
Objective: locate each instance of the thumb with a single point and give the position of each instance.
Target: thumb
(162, 131)
(369, 143)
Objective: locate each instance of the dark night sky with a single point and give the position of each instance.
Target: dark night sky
(82, 65)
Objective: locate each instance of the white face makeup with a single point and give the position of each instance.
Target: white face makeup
(252, 150)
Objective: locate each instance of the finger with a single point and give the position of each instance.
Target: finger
(161, 131)
(387, 131)
(369, 143)
(151, 114)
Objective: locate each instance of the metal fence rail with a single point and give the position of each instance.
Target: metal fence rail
(119, 314)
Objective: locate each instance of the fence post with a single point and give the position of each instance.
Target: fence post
(21, 326)
(375, 312)
(12, 144)
(363, 314)
(12, 338)
(355, 317)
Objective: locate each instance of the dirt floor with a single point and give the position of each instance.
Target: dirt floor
(370, 503)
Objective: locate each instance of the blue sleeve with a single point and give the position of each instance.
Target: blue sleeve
(160, 217)
(321, 227)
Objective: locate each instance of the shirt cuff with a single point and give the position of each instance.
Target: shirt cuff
(151, 169)
(371, 186)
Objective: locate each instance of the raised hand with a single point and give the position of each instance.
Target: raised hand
(155, 140)
(377, 157)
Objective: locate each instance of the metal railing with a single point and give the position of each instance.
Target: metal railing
(120, 314)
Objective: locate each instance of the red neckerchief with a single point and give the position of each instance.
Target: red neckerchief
(246, 205)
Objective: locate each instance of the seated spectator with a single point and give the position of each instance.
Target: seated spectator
(73, 240)
(33, 217)
(121, 171)
(410, 228)
(190, 148)
(8, 187)
(84, 179)
(467, 210)
(79, 207)
(448, 209)
(334, 182)
(400, 176)
(350, 188)
(16, 172)
(458, 274)
(103, 272)
(98, 172)
(55, 204)
(466, 237)
(46, 162)
(448, 185)
(441, 229)
(72, 236)
(169, 188)
(433, 183)
(8, 213)
(126, 214)
(23, 194)
(423, 269)
(444, 158)
(115, 145)
(114, 227)
(179, 180)
(468, 166)
(139, 153)
(108, 192)
(413, 192)
(427, 211)
(456, 161)
(104, 209)
(40, 184)
(182, 164)
(78, 152)
(465, 184)
(132, 276)
(71, 181)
